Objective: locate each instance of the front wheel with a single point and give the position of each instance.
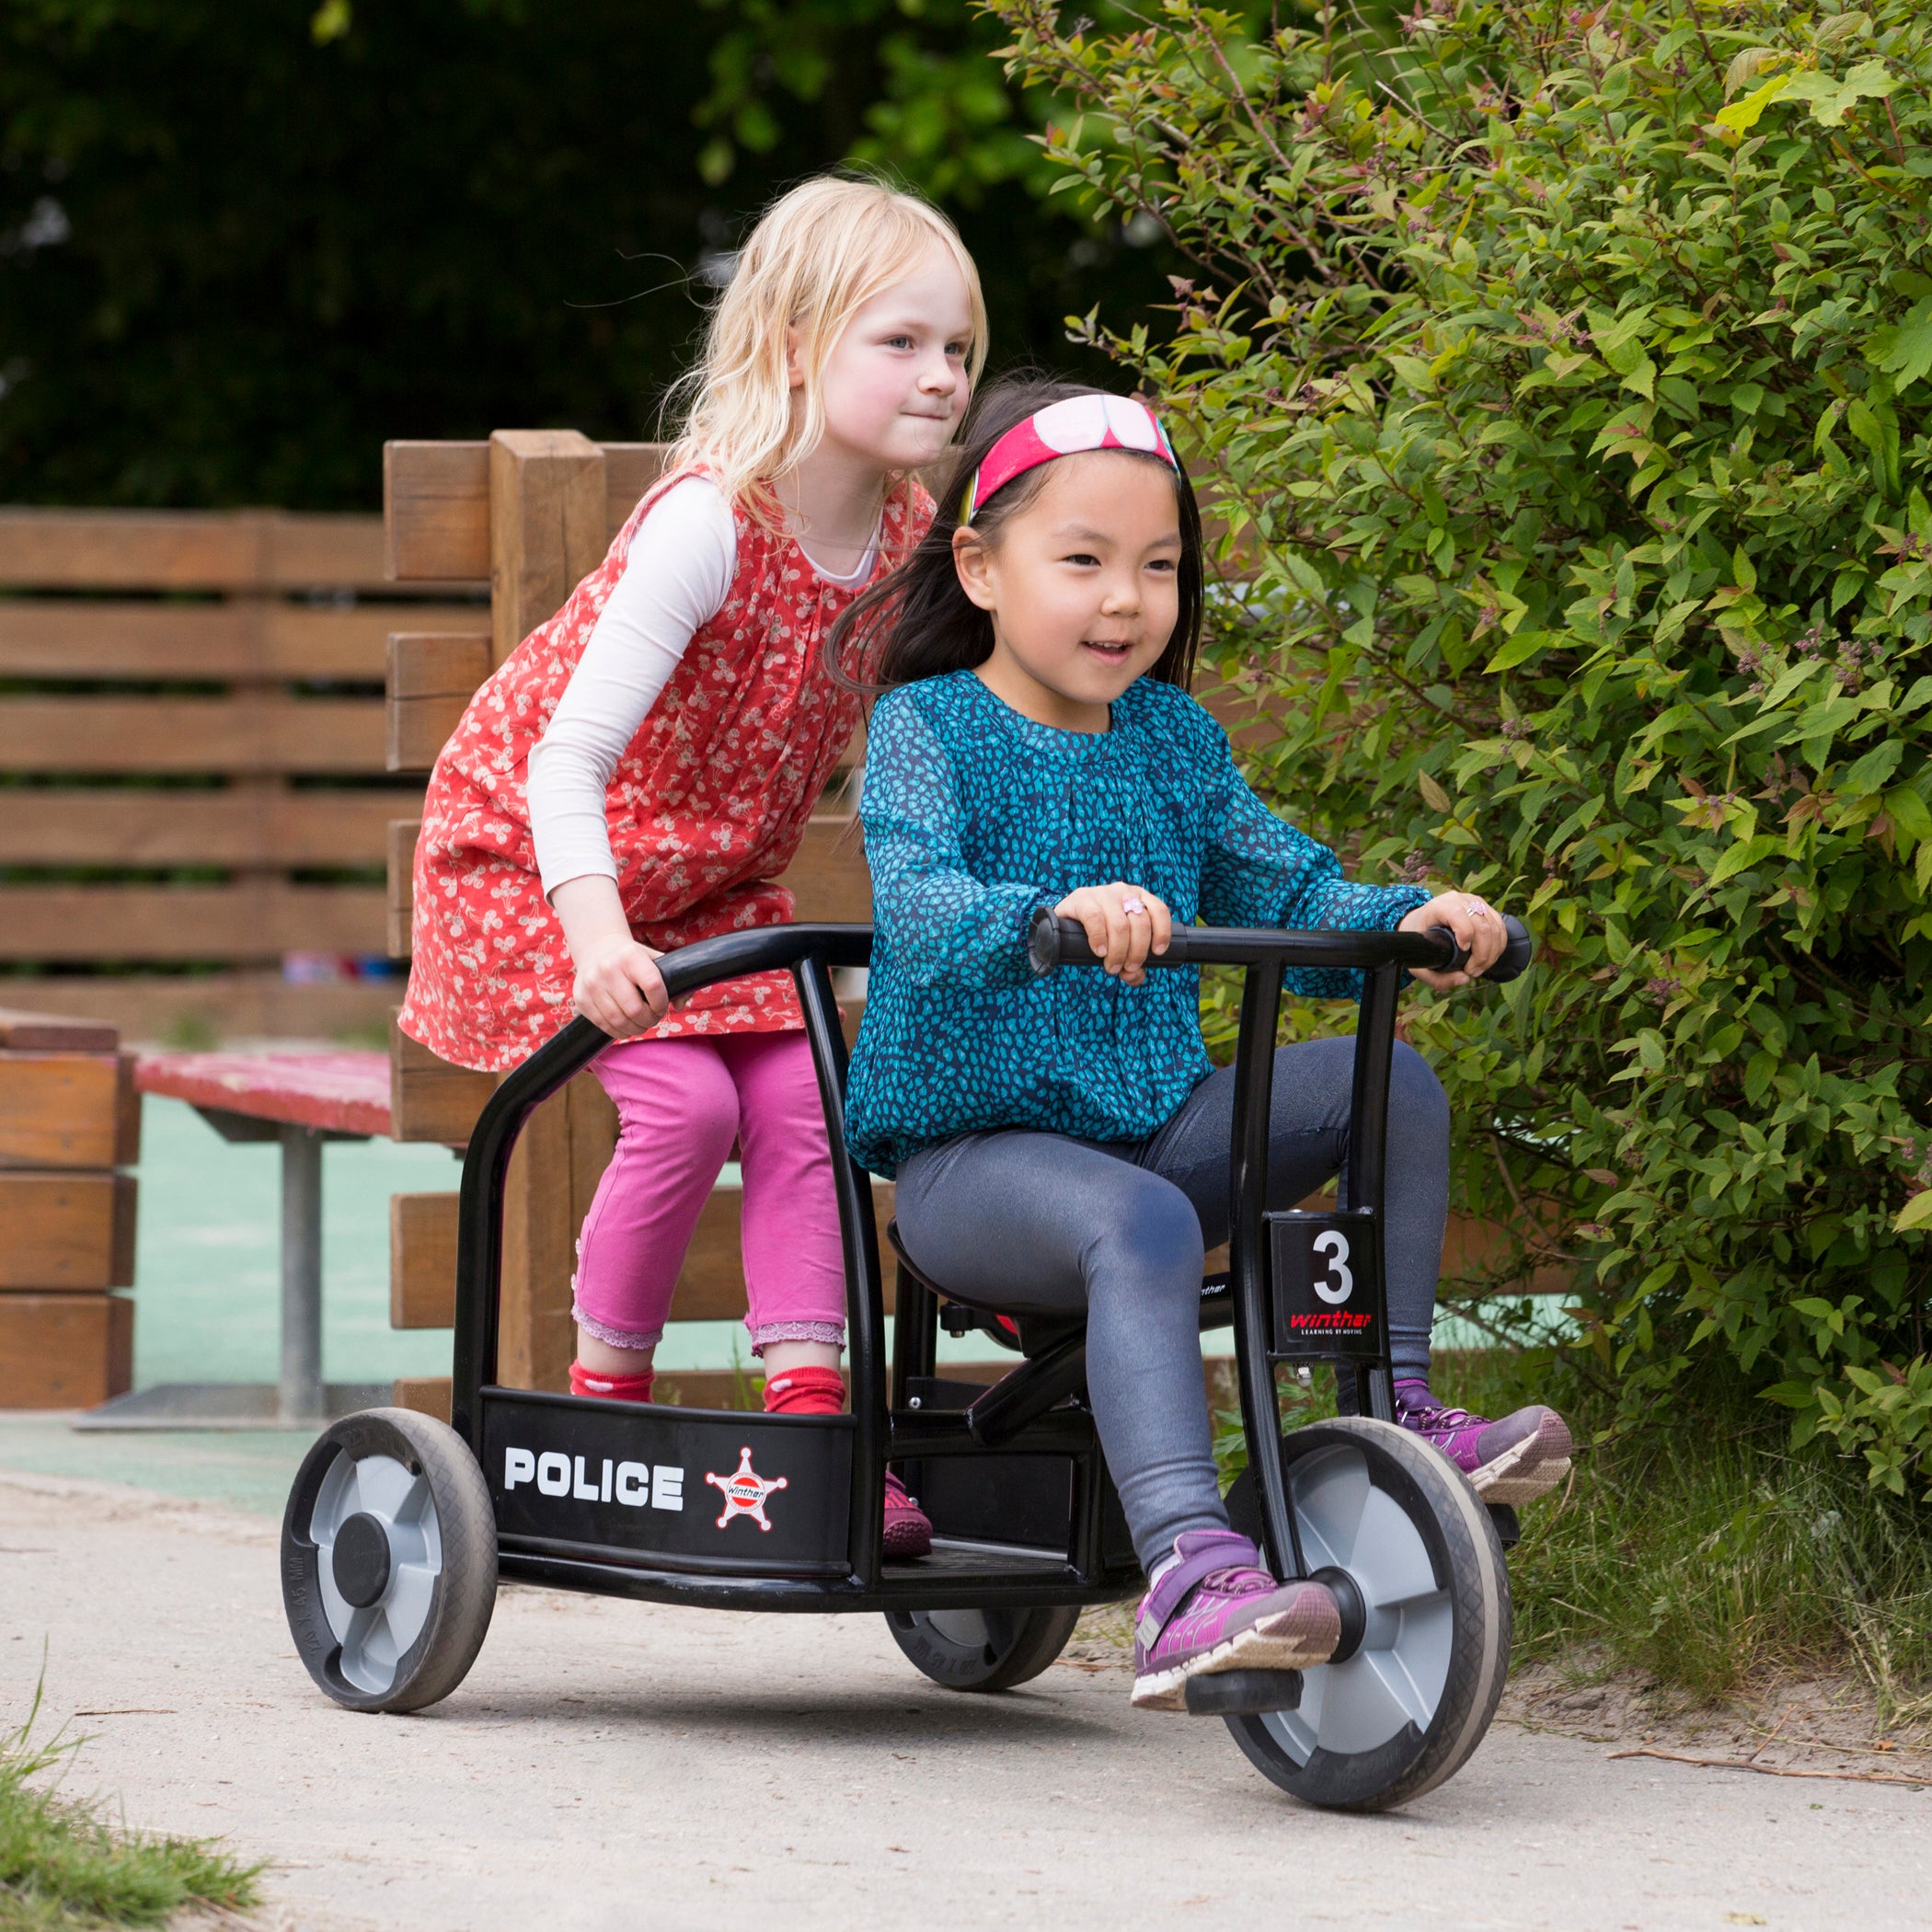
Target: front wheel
(983, 1649)
(1415, 1563)
(388, 1560)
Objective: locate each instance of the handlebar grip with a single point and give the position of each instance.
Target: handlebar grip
(1518, 949)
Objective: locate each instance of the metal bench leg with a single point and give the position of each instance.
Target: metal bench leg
(301, 1397)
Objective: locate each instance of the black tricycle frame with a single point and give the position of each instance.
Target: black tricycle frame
(1037, 1411)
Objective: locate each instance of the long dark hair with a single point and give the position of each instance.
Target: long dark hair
(918, 623)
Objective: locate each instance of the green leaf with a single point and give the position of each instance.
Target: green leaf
(1746, 853)
(1519, 650)
(1832, 100)
(1903, 350)
(1915, 1213)
(1872, 771)
(1909, 813)
(1742, 116)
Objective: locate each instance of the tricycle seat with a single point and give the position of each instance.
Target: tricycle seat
(1013, 1325)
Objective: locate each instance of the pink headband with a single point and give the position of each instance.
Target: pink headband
(1068, 428)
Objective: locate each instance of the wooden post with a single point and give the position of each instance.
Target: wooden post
(546, 527)
(69, 1119)
(548, 530)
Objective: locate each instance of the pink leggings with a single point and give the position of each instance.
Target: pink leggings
(679, 1105)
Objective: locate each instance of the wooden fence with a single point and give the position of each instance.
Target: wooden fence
(193, 778)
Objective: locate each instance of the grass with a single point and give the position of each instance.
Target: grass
(65, 1867)
(1695, 1549)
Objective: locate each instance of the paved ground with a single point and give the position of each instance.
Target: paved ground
(611, 1765)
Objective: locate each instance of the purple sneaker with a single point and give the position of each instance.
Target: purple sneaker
(1517, 1459)
(1217, 1609)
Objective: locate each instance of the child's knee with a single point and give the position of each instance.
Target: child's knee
(1416, 1092)
(684, 1110)
(1157, 1242)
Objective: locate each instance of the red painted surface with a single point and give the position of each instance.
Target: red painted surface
(348, 1090)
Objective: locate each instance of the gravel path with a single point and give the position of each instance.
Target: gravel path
(611, 1765)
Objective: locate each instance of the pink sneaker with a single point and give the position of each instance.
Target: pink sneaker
(1217, 1610)
(1516, 1459)
(908, 1529)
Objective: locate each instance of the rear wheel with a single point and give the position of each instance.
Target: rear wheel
(388, 1560)
(1413, 1558)
(983, 1649)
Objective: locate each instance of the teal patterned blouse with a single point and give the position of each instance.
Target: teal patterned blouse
(975, 816)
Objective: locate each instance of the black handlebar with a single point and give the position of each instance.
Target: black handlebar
(1054, 942)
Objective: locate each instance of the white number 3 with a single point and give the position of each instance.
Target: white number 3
(1334, 1243)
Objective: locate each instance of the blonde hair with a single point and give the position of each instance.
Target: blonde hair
(816, 258)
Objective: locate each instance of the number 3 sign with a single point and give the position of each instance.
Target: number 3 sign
(1333, 1243)
(1326, 1286)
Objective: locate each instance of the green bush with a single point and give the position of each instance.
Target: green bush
(1562, 375)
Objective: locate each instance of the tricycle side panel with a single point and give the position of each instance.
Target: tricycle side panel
(660, 1485)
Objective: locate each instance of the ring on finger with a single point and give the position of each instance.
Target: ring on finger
(1134, 904)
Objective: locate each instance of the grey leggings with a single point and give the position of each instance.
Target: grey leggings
(1032, 1223)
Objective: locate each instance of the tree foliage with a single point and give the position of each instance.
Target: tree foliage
(239, 249)
(1563, 375)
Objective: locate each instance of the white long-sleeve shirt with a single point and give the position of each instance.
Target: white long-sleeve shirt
(675, 580)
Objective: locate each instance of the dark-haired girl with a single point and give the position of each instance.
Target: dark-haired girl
(1062, 1144)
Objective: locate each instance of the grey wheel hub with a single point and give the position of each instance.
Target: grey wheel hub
(361, 1561)
(381, 1553)
(1397, 1675)
(968, 1628)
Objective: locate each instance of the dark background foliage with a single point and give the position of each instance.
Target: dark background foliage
(240, 246)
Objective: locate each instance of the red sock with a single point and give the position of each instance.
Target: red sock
(805, 1392)
(614, 1388)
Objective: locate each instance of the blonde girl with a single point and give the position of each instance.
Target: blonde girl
(640, 771)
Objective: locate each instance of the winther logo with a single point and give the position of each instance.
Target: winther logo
(635, 1485)
(745, 1491)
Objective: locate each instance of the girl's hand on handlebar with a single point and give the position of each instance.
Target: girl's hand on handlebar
(1125, 923)
(618, 987)
(1478, 930)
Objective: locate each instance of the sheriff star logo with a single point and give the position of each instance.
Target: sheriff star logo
(744, 1493)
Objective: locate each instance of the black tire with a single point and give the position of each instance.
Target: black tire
(388, 1560)
(1410, 1705)
(983, 1649)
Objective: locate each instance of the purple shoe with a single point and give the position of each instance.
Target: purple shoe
(1217, 1609)
(1524, 1455)
(908, 1529)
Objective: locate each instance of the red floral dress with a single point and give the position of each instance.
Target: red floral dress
(707, 808)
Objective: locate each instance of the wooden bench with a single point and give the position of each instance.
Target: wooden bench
(299, 1101)
(196, 794)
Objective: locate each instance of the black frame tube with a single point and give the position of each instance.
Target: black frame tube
(1368, 1155)
(1247, 1265)
(485, 1162)
(864, 1293)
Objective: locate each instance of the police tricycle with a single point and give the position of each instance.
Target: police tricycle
(398, 1527)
